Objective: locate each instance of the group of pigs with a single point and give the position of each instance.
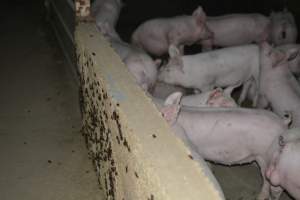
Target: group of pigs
(258, 53)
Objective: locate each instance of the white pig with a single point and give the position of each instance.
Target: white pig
(284, 29)
(228, 67)
(237, 29)
(278, 86)
(156, 35)
(228, 136)
(139, 63)
(284, 170)
(106, 11)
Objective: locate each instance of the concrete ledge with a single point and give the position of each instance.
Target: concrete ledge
(135, 153)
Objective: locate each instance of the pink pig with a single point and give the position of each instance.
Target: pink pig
(156, 35)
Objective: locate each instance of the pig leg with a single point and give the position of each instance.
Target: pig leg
(173, 38)
(244, 92)
(265, 190)
(262, 102)
(276, 192)
(207, 45)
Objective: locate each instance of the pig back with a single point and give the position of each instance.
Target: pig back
(231, 136)
(238, 29)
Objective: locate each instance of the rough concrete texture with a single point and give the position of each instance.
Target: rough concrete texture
(133, 148)
(43, 155)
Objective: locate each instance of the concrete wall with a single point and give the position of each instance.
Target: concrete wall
(61, 15)
(135, 154)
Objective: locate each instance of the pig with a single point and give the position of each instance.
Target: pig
(227, 67)
(284, 169)
(284, 29)
(236, 29)
(215, 98)
(138, 62)
(294, 65)
(106, 11)
(229, 136)
(277, 85)
(156, 35)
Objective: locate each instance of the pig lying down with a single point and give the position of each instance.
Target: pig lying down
(236, 29)
(233, 136)
(156, 35)
(228, 67)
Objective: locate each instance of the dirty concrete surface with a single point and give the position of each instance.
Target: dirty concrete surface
(43, 154)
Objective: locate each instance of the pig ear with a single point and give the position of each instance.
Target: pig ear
(173, 51)
(173, 99)
(171, 107)
(199, 15)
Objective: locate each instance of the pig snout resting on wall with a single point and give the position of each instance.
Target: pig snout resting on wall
(228, 136)
(215, 98)
(236, 29)
(106, 11)
(284, 29)
(284, 169)
(278, 86)
(228, 67)
(155, 36)
(139, 63)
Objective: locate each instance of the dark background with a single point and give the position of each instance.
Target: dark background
(134, 12)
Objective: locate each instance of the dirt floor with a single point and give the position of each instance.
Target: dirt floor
(42, 152)
(43, 155)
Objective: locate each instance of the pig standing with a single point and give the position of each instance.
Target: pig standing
(284, 29)
(155, 36)
(278, 86)
(284, 170)
(228, 136)
(106, 11)
(236, 29)
(228, 67)
(139, 64)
